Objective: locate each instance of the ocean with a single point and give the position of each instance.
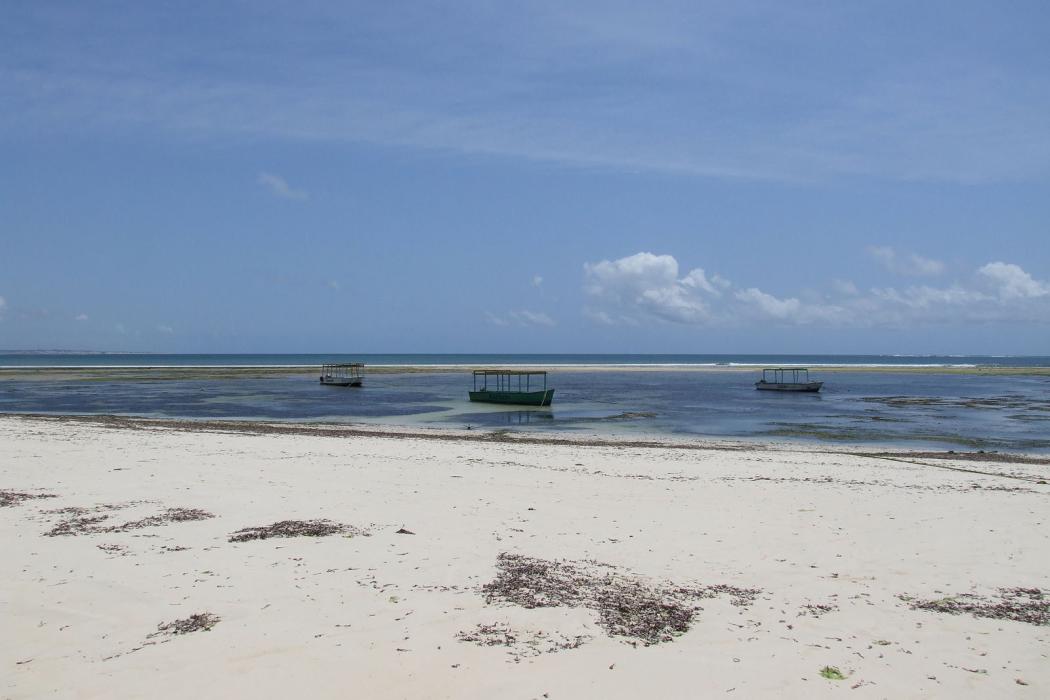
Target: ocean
(866, 404)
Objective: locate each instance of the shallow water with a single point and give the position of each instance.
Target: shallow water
(937, 410)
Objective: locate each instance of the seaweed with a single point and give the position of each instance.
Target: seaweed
(79, 522)
(198, 622)
(294, 528)
(520, 643)
(171, 515)
(627, 606)
(1028, 605)
(14, 498)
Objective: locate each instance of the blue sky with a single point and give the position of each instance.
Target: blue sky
(525, 177)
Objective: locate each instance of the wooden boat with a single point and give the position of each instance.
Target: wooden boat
(787, 379)
(346, 374)
(511, 387)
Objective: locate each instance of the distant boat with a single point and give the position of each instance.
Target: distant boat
(347, 374)
(511, 387)
(787, 379)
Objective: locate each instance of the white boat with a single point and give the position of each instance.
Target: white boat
(346, 374)
(787, 379)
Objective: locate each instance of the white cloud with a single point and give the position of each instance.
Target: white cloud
(645, 287)
(647, 284)
(280, 187)
(912, 265)
(524, 317)
(333, 284)
(167, 330)
(532, 318)
(1012, 282)
(3, 305)
(537, 281)
(696, 278)
(769, 305)
(81, 317)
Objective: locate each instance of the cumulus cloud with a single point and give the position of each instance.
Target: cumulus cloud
(279, 186)
(537, 281)
(648, 285)
(81, 317)
(645, 287)
(167, 330)
(1011, 282)
(768, 304)
(910, 264)
(524, 317)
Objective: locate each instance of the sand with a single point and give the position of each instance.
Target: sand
(532, 570)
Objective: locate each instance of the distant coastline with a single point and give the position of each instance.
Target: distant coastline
(73, 352)
(98, 360)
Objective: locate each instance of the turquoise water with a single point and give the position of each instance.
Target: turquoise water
(952, 411)
(183, 360)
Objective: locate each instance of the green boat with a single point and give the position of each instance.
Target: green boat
(511, 387)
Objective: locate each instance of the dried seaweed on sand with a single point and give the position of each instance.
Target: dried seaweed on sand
(1030, 605)
(627, 605)
(78, 522)
(171, 515)
(198, 622)
(295, 528)
(520, 643)
(13, 498)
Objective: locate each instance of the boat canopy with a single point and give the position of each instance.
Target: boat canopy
(508, 379)
(798, 375)
(346, 370)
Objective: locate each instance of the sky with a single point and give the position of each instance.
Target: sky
(680, 177)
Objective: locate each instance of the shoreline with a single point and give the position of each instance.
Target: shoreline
(534, 437)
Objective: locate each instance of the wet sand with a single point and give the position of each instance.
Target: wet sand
(215, 559)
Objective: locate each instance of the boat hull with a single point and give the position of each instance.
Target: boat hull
(789, 386)
(516, 398)
(341, 382)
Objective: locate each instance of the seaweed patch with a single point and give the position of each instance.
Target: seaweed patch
(521, 643)
(198, 622)
(627, 605)
(295, 528)
(14, 498)
(79, 521)
(1029, 605)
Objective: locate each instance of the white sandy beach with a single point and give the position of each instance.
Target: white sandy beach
(381, 615)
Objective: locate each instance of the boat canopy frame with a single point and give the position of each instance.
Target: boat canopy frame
(505, 377)
(779, 373)
(342, 370)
